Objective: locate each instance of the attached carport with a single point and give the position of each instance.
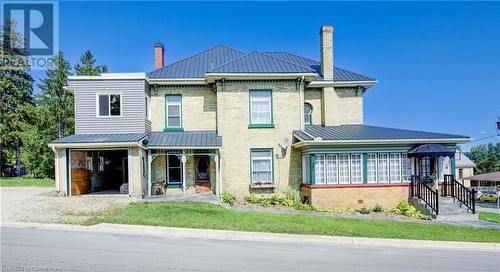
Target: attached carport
(98, 163)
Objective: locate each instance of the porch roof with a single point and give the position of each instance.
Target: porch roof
(123, 138)
(201, 139)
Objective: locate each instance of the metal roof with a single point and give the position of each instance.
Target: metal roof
(101, 138)
(184, 139)
(430, 150)
(224, 59)
(463, 161)
(494, 176)
(365, 132)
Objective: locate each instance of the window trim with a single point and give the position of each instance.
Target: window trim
(252, 125)
(167, 164)
(272, 165)
(167, 127)
(109, 101)
(310, 119)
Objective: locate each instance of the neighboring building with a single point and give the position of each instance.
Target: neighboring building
(464, 167)
(226, 120)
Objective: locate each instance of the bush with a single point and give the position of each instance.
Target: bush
(252, 199)
(363, 210)
(303, 207)
(378, 208)
(329, 210)
(409, 210)
(292, 194)
(275, 199)
(228, 198)
(287, 202)
(265, 202)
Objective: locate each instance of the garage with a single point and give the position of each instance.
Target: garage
(98, 171)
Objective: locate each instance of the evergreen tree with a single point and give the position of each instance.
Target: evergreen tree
(16, 92)
(87, 66)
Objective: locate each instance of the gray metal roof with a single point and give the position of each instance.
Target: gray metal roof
(364, 132)
(463, 161)
(228, 60)
(101, 138)
(184, 139)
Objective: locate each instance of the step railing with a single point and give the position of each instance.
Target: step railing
(425, 193)
(455, 189)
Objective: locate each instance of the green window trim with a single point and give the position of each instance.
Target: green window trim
(250, 124)
(173, 129)
(312, 161)
(272, 163)
(365, 168)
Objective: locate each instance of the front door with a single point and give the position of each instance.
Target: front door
(202, 164)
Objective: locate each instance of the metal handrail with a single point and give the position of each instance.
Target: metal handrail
(425, 193)
(458, 191)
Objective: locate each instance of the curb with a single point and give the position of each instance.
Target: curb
(169, 232)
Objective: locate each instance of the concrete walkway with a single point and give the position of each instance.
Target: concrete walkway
(199, 197)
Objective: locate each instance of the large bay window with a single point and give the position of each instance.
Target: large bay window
(320, 169)
(331, 169)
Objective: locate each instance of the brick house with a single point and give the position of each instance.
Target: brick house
(224, 120)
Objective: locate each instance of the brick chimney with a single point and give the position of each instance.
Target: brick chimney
(326, 43)
(159, 55)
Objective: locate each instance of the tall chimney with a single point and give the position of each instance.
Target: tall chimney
(159, 55)
(326, 40)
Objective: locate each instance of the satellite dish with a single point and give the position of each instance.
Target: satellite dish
(284, 143)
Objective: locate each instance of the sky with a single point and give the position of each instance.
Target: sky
(437, 63)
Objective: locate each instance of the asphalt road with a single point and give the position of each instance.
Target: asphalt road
(33, 249)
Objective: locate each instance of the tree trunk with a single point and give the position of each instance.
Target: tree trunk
(18, 159)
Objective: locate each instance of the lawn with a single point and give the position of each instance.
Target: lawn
(208, 216)
(25, 182)
(489, 216)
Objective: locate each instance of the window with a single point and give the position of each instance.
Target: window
(261, 109)
(173, 111)
(306, 169)
(371, 168)
(174, 169)
(109, 105)
(395, 166)
(308, 113)
(425, 167)
(343, 168)
(261, 166)
(331, 169)
(356, 168)
(460, 173)
(406, 168)
(320, 169)
(383, 168)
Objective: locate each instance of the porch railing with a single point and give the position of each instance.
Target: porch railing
(455, 189)
(425, 193)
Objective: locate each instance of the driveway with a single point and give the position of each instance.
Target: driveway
(34, 204)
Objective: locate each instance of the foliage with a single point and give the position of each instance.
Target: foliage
(87, 66)
(275, 199)
(363, 210)
(204, 215)
(252, 198)
(17, 89)
(287, 202)
(265, 202)
(25, 181)
(303, 207)
(378, 208)
(292, 194)
(409, 210)
(326, 210)
(228, 198)
(486, 157)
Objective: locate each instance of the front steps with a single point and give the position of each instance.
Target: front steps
(450, 209)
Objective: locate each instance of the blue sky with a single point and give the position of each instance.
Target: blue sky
(438, 64)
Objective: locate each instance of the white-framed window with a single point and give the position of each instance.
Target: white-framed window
(444, 167)
(332, 169)
(343, 168)
(383, 168)
(109, 105)
(356, 168)
(173, 111)
(260, 108)
(174, 169)
(320, 169)
(308, 109)
(406, 167)
(261, 164)
(306, 169)
(395, 166)
(371, 167)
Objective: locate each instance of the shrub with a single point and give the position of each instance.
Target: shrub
(303, 207)
(228, 198)
(292, 194)
(252, 199)
(339, 210)
(275, 199)
(378, 208)
(316, 209)
(265, 202)
(287, 202)
(409, 210)
(363, 210)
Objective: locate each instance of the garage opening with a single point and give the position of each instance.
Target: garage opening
(99, 171)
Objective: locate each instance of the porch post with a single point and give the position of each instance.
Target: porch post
(150, 171)
(217, 175)
(183, 161)
(453, 165)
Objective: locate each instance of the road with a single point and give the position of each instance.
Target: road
(37, 249)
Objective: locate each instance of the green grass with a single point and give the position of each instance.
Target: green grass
(207, 216)
(489, 216)
(26, 182)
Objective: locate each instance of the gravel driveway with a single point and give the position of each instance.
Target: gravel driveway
(30, 204)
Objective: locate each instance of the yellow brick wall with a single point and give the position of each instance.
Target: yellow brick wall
(342, 106)
(198, 108)
(358, 197)
(313, 97)
(138, 180)
(238, 139)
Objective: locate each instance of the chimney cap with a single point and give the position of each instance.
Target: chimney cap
(327, 28)
(158, 44)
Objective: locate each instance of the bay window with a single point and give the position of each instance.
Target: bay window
(343, 168)
(383, 168)
(371, 168)
(356, 168)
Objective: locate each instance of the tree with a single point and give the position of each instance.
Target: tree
(17, 90)
(486, 157)
(87, 66)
